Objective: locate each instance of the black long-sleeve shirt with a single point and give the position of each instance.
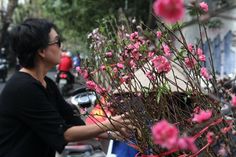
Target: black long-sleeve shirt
(33, 118)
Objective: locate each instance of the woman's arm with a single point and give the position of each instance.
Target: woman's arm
(77, 133)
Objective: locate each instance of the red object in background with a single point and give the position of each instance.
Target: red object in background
(65, 63)
(97, 115)
(63, 75)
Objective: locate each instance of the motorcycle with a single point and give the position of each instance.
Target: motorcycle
(65, 82)
(3, 69)
(81, 99)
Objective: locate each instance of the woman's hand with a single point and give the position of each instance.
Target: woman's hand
(120, 124)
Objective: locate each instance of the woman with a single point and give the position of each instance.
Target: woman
(35, 121)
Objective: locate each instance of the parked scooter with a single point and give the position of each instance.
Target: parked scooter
(65, 82)
(81, 98)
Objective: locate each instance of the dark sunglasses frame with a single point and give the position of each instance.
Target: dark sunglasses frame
(58, 42)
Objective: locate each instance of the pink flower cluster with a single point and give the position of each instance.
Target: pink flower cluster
(200, 54)
(102, 67)
(210, 137)
(108, 54)
(150, 75)
(166, 50)
(203, 6)
(93, 86)
(190, 62)
(204, 73)
(120, 65)
(167, 136)
(83, 72)
(161, 64)
(132, 64)
(190, 47)
(187, 143)
(170, 10)
(124, 79)
(233, 101)
(133, 49)
(202, 116)
(133, 36)
(159, 34)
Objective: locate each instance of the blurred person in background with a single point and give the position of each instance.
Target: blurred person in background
(77, 60)
(65, 66)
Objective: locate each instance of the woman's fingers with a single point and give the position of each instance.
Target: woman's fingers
(122, 127)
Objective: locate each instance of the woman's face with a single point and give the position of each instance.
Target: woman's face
(53, 51)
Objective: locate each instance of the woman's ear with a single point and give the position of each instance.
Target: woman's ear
(41, 53)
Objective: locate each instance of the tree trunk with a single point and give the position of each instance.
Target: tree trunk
(6, 20)
(151, 20)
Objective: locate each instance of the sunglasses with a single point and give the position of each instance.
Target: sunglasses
(58, 42)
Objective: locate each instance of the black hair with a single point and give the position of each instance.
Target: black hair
(29, 37)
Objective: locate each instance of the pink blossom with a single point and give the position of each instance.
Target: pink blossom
(165, 134)
(120, 65)
(210, 137)
(226, 129)
(166, 50)
(161, 64)
(202, 58)
(150, 76)
(133, 36)
(204, 6)
(190, 47)
(137, 45)
(108, 54)
(158, 33)
(100, 90)
(199, 51)
(83, 73)
(233, 101)
(141, 40)
(78, 69)
(130, 46)
(102, 67)
(170, 10)
(204, 73)
(187, 143)
(135, 54)
(124, 79)
(202, 116)
(190, 62)
(150, 54)
(132, 63)
(91, 85)
(182, 143)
